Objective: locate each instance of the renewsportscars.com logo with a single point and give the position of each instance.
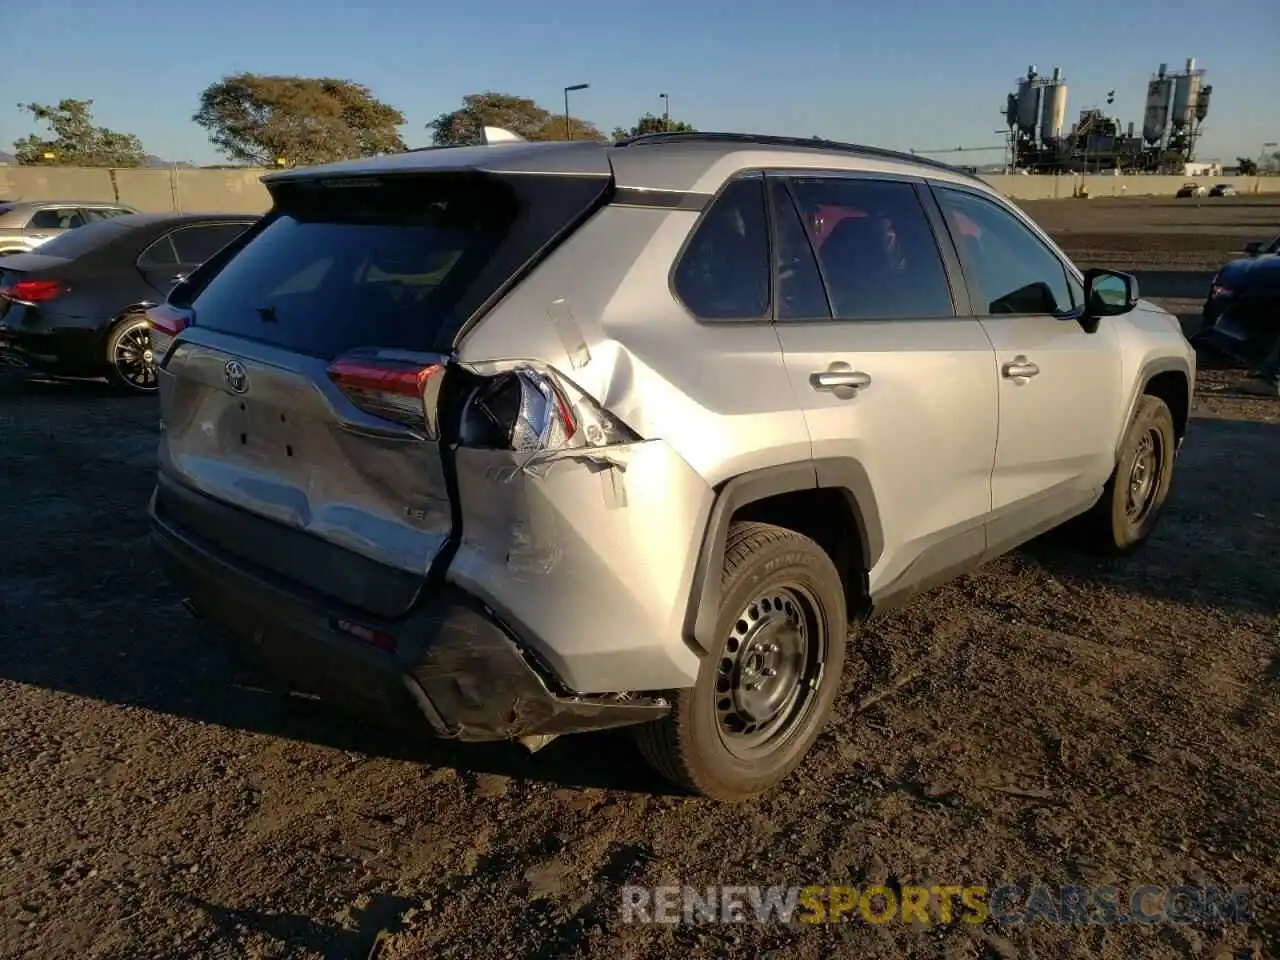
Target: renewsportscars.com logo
(1006, 904)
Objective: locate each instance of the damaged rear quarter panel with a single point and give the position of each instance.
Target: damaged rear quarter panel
(588, 556)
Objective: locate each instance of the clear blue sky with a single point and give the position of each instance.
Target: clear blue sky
(902, 73)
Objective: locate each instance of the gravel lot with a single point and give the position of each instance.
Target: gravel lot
(1052, 719)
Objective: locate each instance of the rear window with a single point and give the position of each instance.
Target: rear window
(376, 263)
(86, 239)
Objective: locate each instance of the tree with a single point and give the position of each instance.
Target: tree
(1247, 167)
(651, 124)
(520, 115)
(74, 141)
(260, 119)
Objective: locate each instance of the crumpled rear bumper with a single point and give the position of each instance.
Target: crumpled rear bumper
(447, 668)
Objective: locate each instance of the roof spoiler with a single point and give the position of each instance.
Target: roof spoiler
(490, 136)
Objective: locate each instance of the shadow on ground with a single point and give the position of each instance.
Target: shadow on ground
(1174, 284)
(1215, 541)
(43, 387)
(381, 916)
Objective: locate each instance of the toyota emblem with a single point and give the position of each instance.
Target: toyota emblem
(236, 376)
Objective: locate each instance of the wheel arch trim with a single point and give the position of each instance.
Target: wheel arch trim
(845, 475)
(1149, 371)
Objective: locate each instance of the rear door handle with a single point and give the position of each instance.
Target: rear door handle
(1020, 368)
(840, 379)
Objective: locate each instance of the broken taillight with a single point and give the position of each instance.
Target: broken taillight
(532, 410)
(165, 323)
(391, 389)
(526, 411)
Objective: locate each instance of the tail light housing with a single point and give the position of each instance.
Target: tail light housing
(397, 390)
(532, 410)
(523, 408)
(32, 291)
(166, 323)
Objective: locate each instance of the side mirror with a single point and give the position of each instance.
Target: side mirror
(1253, 248)
(1109, 293)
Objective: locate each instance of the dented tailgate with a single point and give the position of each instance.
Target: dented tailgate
(290, 449)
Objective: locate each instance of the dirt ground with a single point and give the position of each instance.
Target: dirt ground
(1052, 719)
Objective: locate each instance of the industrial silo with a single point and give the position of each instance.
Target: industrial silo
(1202, 103)
(1028, 103)
(1155, 118)
(1053, 110)
(1186, 95)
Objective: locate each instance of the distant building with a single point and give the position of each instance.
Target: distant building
(1211, 169)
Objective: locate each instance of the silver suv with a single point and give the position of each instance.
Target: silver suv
(517, 440)
(26, 224)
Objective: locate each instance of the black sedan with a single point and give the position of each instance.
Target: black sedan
(1242, 313)
(77, 306)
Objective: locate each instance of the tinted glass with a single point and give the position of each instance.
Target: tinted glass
(1014, 271)
(364, 266)
(90, 237)
(724, 273)
(159, 255)
(197, 244)
(801, 295)
(1077, 291)
(60, 218)
(876, 248)
(103, 213)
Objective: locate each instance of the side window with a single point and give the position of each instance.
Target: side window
(159, 255)
(801, 295)
(1076, 288)
(724, 272)
(1014, 271)
(877, 252)
(92, 214)
(198, 244)
(56, 218)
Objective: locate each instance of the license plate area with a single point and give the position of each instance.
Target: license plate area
(265, 433)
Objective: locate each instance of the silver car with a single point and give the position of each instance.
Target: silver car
(516, 440)
(26, 224)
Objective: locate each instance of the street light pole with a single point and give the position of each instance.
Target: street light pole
(568, 132)
(666, 111)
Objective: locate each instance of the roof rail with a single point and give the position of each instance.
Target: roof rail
(769, 140)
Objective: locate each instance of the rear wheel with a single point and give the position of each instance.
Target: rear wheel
(764, 693)
(130, 363)
(1135, 494)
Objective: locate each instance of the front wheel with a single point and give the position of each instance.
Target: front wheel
(131, 365)
(1135, 494)
(765, 691)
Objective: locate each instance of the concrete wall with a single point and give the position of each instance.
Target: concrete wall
(151, 191)
(240, 191)
(1102, 185)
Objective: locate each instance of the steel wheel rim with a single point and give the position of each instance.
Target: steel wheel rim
(132, 359)
(1144, 476)
(769, 671)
